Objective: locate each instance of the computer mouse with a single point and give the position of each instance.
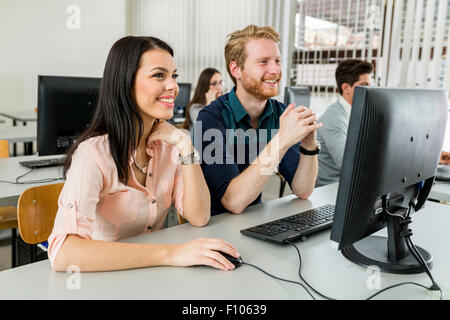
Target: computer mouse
(236, 261)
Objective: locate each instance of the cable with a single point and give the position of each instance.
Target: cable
(23, 175)
(372, 296)
(418, 256)
(290, 281)
(31, 181)
(406, 234)
(416, 253)
(421, 260)
(300, 275)
(385, 208)
(397, 285)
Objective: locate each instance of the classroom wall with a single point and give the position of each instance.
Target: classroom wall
(53, 37)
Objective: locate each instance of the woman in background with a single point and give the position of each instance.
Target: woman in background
(128, 168)
(209, 88)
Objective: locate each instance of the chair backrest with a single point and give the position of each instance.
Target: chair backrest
(299, 95)
(36, 211)
(4, 149)
(181, 220)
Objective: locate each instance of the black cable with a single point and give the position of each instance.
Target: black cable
(397, 285)
(290, 281)
(31, 181)
(412, 248)
(372, 296)
(421, 260)
(23, 175)
(415, 252)
(300, 275)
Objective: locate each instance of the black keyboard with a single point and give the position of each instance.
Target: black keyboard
(42, 163)
(293, 227)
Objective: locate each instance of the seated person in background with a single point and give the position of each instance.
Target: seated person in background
(332, 136)
(236, 176)
(208, 89)
(124, 172)
(445, 158)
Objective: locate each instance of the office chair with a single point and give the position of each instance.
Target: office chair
(8, 215)
(36, 211)
(299, 95)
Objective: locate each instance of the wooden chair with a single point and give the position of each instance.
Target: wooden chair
(8, 220)
(181, 220)
(282, 184)
(4, 149)
(8, 215)
(36, 211)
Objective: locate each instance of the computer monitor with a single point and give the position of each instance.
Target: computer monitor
(182, 100)
(66, 106)
(394, 141)
(299, 95)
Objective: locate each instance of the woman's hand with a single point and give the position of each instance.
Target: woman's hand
(211, 95)
(204, 251)
(445, 158)
(165, 132)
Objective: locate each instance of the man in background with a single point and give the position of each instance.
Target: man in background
(332, 136)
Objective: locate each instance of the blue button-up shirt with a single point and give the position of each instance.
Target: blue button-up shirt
(229, 144)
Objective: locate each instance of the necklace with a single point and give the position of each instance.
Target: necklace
(141, 169)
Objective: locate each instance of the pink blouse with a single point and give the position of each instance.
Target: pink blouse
(94, 204)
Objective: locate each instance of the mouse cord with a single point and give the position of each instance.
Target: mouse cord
(300, 275)
(290, 281)
(372, 296)
(31, 181)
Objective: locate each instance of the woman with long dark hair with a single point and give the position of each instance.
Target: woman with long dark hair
(209, 88)
(128, 168)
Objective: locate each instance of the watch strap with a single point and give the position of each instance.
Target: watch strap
(309, 152)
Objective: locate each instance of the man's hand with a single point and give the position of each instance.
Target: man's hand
(298, 124)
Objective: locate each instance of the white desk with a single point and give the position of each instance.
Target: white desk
(324, 268)
(440, 191)
(178, 120)
(19, 133)
(23, 116)
(10, 169)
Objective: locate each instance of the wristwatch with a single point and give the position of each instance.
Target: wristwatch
(308, 152)
(191, 158)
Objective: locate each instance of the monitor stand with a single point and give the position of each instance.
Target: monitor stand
(389, 254)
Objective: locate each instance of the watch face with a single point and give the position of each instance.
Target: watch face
(196, 157)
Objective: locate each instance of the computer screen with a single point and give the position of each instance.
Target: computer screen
(393, 145)
(182, 100)
(299, 95)
(66, 106)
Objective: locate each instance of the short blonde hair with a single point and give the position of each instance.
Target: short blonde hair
(237, 41)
